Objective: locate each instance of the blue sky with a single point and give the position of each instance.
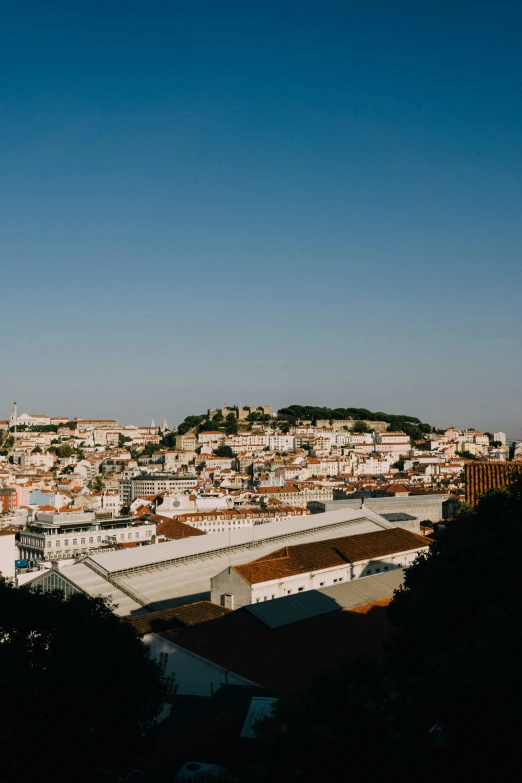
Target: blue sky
(264, 202)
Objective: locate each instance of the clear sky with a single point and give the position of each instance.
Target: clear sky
(261, 202)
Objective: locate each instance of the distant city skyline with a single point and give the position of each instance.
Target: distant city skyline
(282, 202)
(143, 417)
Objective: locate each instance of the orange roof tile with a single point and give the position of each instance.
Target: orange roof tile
(302, 558)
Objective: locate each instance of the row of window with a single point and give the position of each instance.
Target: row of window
(58, 544)
(378, 570)
(335, 581)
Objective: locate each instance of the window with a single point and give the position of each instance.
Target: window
(265, 598)
(369, 571)
(340, 579)
(91, 540)
(300, 589)
(257, 600)
(273, 596)
(49, 543)
(321, 584)
(83, 541)
(57, 543)
(288, 592)
(385, 568)
(377, 570)
(98, 539)
(66, 542)
(75, 541)
(122, 536)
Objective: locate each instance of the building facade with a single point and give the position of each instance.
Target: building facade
(296, 569)
(154, 483)
(63, 536)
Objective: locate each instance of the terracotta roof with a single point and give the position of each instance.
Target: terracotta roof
(177, 617)
(301, 559)
(173, 528)
(479, 478)
(397, 488)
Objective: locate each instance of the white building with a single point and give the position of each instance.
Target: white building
(372, 466)
(110, 503)
(281, 442)
(8, 553)
(501, 436)
(63, 536)
(295, 569)
(211, 436)
(179, 572)
(394, 443)
(30, 419)
(154, 483)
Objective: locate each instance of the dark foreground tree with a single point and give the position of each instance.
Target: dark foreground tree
(445, 702)
(79, 692)
(456, 659)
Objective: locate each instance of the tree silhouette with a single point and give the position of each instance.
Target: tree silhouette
(79, 691)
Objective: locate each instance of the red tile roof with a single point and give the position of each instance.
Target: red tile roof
(302, 558)
(484, 476)
(173, 528)
(177, 617)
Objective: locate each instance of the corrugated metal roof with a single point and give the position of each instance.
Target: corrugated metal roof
(312, 603)
(93, 584)
(156, 554)
(260, 708)
(187, 581)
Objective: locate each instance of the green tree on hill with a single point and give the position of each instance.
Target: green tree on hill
(224, 451)
(360, 426)
(97, 484)
(231, 427)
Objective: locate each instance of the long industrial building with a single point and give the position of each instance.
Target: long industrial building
(159, 576)
(413, 508)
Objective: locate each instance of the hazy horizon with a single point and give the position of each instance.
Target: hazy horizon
(173, 420)
(280, 202)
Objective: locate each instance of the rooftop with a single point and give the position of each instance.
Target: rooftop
(284, 658)
(161, 576)
(176, 617)
(247, 538)
(316, 556)
(313, 603)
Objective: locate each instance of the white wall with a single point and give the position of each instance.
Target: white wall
(194, 675)
(230, 583)
(244, 593)
(8, 554)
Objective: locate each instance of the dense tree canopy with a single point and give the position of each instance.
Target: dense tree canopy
(466, 454)
(409, 424)
(211, 425)
(79, 691)
(189, 422)
(224, 451)
(444, 704)
(62, 451)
